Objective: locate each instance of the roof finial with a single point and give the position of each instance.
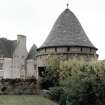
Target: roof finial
(67, 4)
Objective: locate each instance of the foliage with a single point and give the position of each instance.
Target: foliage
(69, 66)
(56, 93)
(18, 86)
(85, 84)
(51, 76)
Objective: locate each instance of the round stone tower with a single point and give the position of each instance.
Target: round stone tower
(66, 40)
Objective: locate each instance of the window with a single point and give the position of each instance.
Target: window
(81, 49)
(55, 49)
(41, 71)
(1, 66)
(68, 49)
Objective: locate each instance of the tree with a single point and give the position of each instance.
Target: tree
(85, 85)
(51, 75)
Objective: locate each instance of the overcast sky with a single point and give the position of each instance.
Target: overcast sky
(35, 18)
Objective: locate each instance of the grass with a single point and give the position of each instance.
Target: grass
(24, 100)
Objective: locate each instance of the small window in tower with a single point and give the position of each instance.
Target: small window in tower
(55, 49)
(68, 49)
(90, 49)
(81, 49)
(1, 66)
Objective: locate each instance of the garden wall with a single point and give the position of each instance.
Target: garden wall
(18, 86)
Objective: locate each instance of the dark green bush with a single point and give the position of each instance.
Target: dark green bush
(56, 93)
(46, 83)
(3, 89)
(18, 86)
(51, 74)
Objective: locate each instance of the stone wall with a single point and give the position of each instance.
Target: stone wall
(19, 57)
(1, 68)
(65, 53)
(18, 64)
(31, 68)
(77, 50)
(18, 86)
(7, 68)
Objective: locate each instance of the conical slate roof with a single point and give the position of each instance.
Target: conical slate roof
(32, 52)
(67, 31)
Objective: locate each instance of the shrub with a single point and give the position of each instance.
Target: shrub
(3, 89)
(51, 75)
(18, 86)
(85, 85)
(56, 93)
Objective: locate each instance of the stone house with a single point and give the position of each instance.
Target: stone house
(15, 61)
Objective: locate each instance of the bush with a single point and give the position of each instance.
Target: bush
(3, 89)
(18, 86)
(85, 85)
(51, 74)
(56, 93)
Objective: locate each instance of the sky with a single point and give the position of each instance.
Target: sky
(35, 18)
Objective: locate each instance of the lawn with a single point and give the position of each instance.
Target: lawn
(24, 100)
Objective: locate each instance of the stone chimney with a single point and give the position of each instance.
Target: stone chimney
(21, 41)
